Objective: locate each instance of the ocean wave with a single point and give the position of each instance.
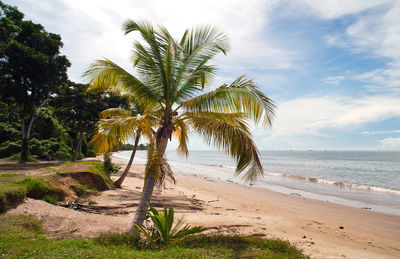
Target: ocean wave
(341, 184)
(220, 165)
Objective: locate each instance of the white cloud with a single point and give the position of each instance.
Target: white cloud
(91, 29)
(313, 115)
(390, 143)
(332, 9)
(333, 80)
(376, 34)
(380, 132)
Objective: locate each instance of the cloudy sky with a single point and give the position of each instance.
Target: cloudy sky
(331, 66)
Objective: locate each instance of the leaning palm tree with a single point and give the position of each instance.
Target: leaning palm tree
(117, 125)
(176, 72)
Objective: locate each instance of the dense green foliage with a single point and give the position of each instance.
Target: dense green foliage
(79, 110)
(47, 149)
(10, 126)
(109, 166)
(36, 99)
(130, 147)
(31, 67)
(22, 237)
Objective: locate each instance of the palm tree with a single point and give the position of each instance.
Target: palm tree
(175, 72)
(117, 125)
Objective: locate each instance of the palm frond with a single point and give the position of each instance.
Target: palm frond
(230, 133)
(165, 172)
(114, 112)
(204, 41)
(150, 60)
(106, 75)
(182, 133)
(240, 96)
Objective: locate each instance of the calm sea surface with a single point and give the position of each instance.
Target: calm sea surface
(366, 179)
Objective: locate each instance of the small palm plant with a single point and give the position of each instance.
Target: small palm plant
(163, 232)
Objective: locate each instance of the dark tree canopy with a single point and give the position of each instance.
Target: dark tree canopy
(31, 66)
(79, 109)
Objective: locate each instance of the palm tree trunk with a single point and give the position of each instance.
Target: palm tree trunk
(118, 182)
(161, 146)
(143, 204)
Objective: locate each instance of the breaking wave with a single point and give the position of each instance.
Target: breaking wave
(341, 184)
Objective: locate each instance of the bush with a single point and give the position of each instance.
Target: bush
(17, 157)
(10, 148)
(109, 166)
(48, 149)
(162, 233)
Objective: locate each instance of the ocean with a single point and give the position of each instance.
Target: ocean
(367, 180)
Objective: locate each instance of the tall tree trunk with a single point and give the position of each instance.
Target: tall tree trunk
(79, 143)
(25, 133)
(118, 182)
(161, 145)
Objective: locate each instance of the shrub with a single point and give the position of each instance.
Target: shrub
(162, 232)
(16, 157)
(47, 149)
(109, 166)
(10, 148)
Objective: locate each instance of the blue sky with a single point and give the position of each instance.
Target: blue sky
(332, 67)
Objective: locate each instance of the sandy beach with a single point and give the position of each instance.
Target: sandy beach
(321, 229)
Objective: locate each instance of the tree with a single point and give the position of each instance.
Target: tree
(79, 109)
(117, 126)
(31, 67)
(175, 72)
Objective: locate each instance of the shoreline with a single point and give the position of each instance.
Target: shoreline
(323, 229)
(361, 196)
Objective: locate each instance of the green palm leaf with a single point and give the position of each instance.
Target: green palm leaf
(230, 133)
(240, 96)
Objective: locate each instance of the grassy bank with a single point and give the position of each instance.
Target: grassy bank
(78, 179)
(22, 236)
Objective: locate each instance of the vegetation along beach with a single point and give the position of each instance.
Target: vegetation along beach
(257, 129)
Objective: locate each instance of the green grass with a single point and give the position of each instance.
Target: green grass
(50, 199)
(91, 167)
(16, 158)
(99, 169)
(11, 195)
(8, 175)
(15, 188)
(21, 237)
(82, 190)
